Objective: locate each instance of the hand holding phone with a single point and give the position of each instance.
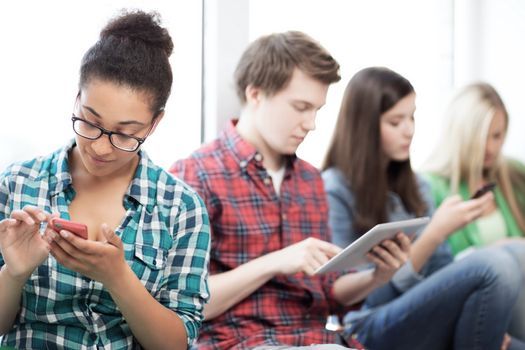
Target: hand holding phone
(76, 228)
(484, 189)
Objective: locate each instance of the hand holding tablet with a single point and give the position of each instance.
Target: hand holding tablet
(355, 254)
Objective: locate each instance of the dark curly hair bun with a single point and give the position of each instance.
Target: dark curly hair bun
(133, 50)
(138, 25)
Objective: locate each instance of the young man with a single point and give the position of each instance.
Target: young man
(268, 209)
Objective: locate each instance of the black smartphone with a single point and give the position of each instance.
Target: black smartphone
(484, 189)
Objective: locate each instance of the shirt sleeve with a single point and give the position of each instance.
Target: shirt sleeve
(188, 171)
(340, 208)
(406, 276)
(5, 210)
(188, 260)
(330, 278)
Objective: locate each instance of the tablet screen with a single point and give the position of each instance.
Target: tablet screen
(354, 255)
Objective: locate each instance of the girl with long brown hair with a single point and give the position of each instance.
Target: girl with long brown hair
(369, 180)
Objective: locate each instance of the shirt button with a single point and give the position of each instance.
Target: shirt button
(258, 157)
(267, 181)
(243, 163)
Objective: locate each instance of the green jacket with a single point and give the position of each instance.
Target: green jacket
(468, 235)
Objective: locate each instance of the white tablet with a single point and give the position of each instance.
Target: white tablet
(355, 254)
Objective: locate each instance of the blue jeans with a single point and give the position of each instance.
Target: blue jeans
(311, 347)
(464, 305)
(517, 322)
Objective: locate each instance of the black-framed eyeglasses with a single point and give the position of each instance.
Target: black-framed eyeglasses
(119, 140)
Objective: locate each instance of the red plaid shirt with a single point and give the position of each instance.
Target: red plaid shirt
(248, 220)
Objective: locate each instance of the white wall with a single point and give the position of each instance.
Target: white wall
(502, 58)
(438, 45)
(42, 45)
(225, 22)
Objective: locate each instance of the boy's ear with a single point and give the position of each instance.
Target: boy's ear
(252, 94)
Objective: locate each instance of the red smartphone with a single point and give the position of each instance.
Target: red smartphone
(484, 189)
(78, 229)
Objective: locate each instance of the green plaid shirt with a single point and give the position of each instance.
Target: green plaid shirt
(166, 241)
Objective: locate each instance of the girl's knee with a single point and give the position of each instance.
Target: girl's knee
(517, 250)
(499, 267)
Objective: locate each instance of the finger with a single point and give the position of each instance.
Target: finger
(111, 237)
(68, 242)
(312, 259)
(385, 256)
(329, 249)
(452, 200)
(22, 216)
(469, 210)
(309, 269)
(488, 196)
(49, 235)
(473, 213)
(77, 246)
(480, 202)
(60, 254)
(377, 261)
(36, 213)
(320, 257)
(488, 199)
(6, 223)
(404, 242)
(395, 251)
(51, 216)
(62, 257)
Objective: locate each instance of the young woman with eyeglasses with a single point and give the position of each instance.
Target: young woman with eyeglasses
(140, 280)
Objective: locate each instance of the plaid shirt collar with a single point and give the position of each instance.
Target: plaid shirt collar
(243, 151)
(138, 191)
